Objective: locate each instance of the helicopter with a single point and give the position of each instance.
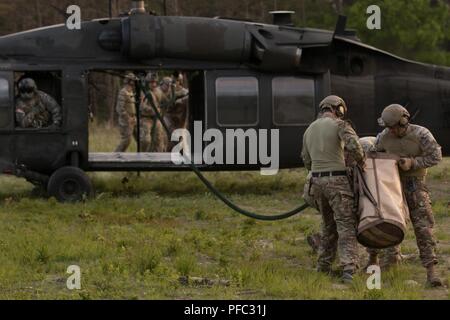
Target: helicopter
(242, 75)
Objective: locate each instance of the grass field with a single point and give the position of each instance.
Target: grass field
(136, 240)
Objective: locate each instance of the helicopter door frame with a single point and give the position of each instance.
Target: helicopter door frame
(7, 105)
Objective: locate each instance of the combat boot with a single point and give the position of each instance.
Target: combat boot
(325, 270)
(314, 242)
(347, 276)
(432, 278)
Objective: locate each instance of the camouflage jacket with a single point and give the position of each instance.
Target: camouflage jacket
(146, 108)
(418, 144)
(42, 111)
(126, 107)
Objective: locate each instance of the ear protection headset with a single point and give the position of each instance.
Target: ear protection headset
(404, 121)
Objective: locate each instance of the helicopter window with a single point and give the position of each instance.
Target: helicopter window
(237, 101)
(293, 101)
(38, 100)
(4, 103)
(4, 92)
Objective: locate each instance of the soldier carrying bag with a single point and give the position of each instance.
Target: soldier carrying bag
(382, 206)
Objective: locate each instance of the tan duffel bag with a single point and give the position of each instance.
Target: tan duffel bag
(383, 209)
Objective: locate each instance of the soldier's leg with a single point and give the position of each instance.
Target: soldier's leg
(342, 201)
(423, 222)
(422, 218)
(329, 235)
(145, 135)
(159, 138)
(391, 257)
(125, 139)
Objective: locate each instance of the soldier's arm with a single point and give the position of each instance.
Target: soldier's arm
(431, 151)
(378, 146)
(54, 108)
(21, 119)
(351, 142)
(306, 156)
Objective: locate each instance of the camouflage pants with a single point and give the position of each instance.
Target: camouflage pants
(335, 200)
(126, 134)
(152, 136)
(421, 213)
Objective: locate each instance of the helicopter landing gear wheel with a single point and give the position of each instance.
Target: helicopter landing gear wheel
(69, 184)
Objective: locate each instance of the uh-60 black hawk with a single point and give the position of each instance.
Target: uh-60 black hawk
(241, 74)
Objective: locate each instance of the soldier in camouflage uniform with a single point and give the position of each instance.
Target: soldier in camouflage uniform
(152, 135)
(323, 154)
(418, 150)
(36, 109)
(126, 108)
(313, 240)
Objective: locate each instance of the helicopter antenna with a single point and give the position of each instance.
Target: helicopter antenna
(110, 8)
(165, 7)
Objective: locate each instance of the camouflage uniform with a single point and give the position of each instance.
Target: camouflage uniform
(152, 133)
(420, 145)
(126, 108)
(41, 111)
(333, 196)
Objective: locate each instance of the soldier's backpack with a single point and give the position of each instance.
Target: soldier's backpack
(383, 210)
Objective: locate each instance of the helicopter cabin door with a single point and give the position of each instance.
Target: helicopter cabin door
(276, 109)
(235, 104)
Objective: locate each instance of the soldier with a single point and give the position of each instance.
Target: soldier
(313, 240)
(152, 133)
(323, 155)
(418, 151)
(177, 113)
(36, 109)
(126, 108)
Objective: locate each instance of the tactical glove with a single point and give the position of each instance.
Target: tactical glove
(406, 164)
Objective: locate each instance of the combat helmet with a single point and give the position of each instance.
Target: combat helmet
(27, 85)
(129, 77)
(394, 115)
(334, 103)
(167, 81)
(27, 88)
(151, 76)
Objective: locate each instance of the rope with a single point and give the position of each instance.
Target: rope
(213, 189)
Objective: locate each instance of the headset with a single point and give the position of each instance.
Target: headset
(336, 104)
(404, 121)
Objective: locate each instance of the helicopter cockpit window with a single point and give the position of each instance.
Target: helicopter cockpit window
(4, 103)
(293, 101)
(237, 101)
(38, 100)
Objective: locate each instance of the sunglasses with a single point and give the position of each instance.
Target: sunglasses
(26, 90)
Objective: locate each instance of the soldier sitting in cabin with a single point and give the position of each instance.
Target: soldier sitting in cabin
(35, 109)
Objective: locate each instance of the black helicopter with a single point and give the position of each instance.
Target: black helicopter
(242, 75)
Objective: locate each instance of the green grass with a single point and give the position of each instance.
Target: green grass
(135, 241)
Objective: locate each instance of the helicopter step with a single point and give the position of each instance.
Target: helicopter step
(132, 161)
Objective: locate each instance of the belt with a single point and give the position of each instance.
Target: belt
(329, 174)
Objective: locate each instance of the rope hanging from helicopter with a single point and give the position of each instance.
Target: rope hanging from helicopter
(206, 182)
